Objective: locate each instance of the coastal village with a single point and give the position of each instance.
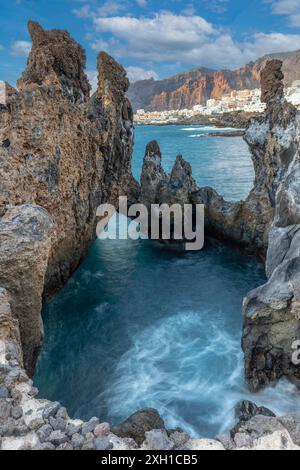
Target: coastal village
(248, 101)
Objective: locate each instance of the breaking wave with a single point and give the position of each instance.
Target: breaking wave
(192, 372)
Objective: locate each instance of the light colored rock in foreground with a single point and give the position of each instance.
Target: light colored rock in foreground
(29, 423)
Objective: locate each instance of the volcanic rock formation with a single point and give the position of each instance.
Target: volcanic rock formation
(67, 153)
(272, 312)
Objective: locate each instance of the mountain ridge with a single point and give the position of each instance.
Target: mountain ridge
(199, 84)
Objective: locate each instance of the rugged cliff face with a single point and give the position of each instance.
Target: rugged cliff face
(197, 86)
(66, 153)
(272, 312)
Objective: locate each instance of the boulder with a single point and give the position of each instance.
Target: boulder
(136, 426)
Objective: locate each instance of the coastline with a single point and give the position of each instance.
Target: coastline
(236, 120)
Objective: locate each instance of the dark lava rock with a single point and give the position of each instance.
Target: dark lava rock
(6, 143)
(138, 424)
(246, 410)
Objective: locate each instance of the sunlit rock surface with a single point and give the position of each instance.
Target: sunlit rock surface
(272, 312)
(65, 152)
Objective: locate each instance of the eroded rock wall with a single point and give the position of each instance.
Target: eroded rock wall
(65, 152)
(272, 312)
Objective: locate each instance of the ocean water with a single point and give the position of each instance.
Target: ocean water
(222, 163)
(139, 326)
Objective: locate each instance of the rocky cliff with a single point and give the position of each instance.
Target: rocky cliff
(272, 312)
(66, 153)
(197, 86)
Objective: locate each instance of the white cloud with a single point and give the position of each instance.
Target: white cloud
(270, 43)
(83, 12)
(91, 9)
(138, 73)
(163, 30)
(142, 3)
(189, 10)
(21, 48)
(189, 40)
(110, 7)
(289, 8)
(217, 6)
(92, 76)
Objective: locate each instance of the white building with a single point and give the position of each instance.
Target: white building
(292, 93)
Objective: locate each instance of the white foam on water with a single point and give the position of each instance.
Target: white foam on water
(210, 128)
(192, 372)
(193, 136)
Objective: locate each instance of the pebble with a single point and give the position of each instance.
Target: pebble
(73, 429)
(51, 410)
(89, 442)
(66, 446)
(4, 392)
(90, 426)
(57, 438)
(44, 446)
(58, 424)
(62, 413)
(44, 432)
(77, 441)
(17, 412)
(5, 409)
(102, 430)
(103, 443)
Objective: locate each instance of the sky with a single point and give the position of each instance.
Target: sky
(154, 38)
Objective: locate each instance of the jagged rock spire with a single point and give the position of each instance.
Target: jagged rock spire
(112, 79)
(55, 59)
(272, 87)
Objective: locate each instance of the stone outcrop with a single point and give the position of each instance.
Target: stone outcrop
(272, 312)
(25, 244)
(137, 425)
(197, 86)
(157, 187)
(55, 60)
(65, 152)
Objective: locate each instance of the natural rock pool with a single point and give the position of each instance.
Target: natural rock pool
(141, 326)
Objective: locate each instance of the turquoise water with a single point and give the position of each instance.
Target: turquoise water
(140, 326)
(222, 163)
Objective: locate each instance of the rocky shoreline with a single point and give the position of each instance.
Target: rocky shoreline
(30, 423)
(64, 153)
(235, 120)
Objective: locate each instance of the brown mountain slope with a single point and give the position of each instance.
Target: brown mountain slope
(197, 86)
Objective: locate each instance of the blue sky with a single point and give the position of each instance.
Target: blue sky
(155, 38)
